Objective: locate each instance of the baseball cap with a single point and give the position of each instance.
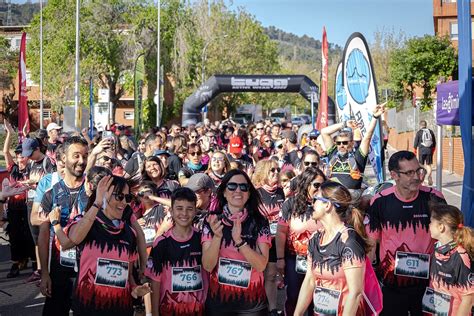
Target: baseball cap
(161, 152)
(41, 133)
(28, 146)
(235, 145)
(52, 126)
(18, 149)
(199, 181)
(314, 133)
(290, 135)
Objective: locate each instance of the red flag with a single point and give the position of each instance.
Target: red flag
(322, 120)
(23, 120)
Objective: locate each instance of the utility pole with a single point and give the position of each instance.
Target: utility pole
(158, 83)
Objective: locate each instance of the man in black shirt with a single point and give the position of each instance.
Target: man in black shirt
(134, 166)
(345, 164)
(425, 145)
(291, 141)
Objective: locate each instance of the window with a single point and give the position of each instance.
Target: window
(129, 115)
(46, 114)
(453, 30)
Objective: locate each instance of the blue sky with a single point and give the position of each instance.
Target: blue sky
(342, 17)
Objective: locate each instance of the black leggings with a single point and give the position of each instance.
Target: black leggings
(21, 243)
(400, 301)
(293, 281)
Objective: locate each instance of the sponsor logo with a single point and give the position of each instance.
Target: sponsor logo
(347, 253)
(470, 278)
(420, 216)
(407, 206)
(185, 246)
(358, 76)
(450, 103)
(259, 83)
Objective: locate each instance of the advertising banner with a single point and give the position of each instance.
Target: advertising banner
(361, 90)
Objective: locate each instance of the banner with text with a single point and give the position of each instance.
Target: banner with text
(361, 90)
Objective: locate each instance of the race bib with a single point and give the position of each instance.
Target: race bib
(326, 301)
(186, 279)
(273, 228)
(436, 303)
(301, 264)
(234, 272)
(413, 265)
(67, 258)
(150, 234)
(112, 273)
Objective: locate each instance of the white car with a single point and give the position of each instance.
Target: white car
(298, 121)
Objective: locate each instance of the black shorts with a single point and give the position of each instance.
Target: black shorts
(426, 159)
(272, 254)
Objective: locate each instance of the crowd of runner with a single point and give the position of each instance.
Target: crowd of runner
(214, 218)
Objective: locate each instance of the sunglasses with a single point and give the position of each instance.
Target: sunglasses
(267, 141)
(342, 143)
(259, 129)
(316, 185)
(323, 199)
(232, 186)
(120, 196)
(105, 158)
(280, 147)
(195, 153)
(143, 193)
(310, 163)
(275, 170)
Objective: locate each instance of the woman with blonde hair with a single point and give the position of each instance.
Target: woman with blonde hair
(451, 270)
(218, 166)
(267, 181)
(334, 280)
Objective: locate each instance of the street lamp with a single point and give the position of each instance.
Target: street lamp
(203, 61)
(158, 83)
(41, 64)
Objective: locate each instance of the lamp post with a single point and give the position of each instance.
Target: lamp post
(41, 64)
(158, 83)
(76, 85)
(203, 62)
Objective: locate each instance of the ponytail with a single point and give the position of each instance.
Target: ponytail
(452, 217)
(355, 218)
(464, 236)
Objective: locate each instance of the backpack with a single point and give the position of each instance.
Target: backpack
(426, 138)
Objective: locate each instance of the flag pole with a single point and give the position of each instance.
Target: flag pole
(76, 86)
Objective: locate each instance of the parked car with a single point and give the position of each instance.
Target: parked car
(298, 120)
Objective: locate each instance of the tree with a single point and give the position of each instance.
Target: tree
(8, 68)
(421, 62)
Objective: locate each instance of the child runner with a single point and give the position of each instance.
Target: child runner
(451, 290)
(179, 283)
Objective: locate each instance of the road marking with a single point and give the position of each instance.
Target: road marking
(452, 192)
(34, 305)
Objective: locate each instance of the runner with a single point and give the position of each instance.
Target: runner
(179, 283)
(452, 271)
(266, 180)
(235, 245)
(347, 165)
(107, 248)
(399, 218)
(218, 167)
(193, 165)
(58, 275)
(336, 256)
(293, 233)
(203, 186)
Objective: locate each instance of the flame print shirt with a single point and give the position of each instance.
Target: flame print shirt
(300, 228)
(452, 273)
(329, 261)
(234, 285)
(401, 226)
(104, 261)
(176, 264)
(271, 206)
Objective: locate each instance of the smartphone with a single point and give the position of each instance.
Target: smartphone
(107, 134)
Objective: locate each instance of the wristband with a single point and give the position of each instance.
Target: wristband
(344, 124)
(376, 117)
(97, 206)
(241, 245)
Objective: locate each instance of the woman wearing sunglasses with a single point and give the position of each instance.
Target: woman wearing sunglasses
(266, 179)
(235, 245)
(334, 281)
(193, 164)
(108, 247)
(280, 154)
(294, 230)
(265, 149)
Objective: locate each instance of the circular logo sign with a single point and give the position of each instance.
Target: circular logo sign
(341, 97)
(358, 76)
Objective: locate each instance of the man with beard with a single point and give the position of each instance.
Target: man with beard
(399, 218)
(70, 197)
(345, 164)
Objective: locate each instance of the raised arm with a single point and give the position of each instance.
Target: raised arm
(365, 143)
(8, 142)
